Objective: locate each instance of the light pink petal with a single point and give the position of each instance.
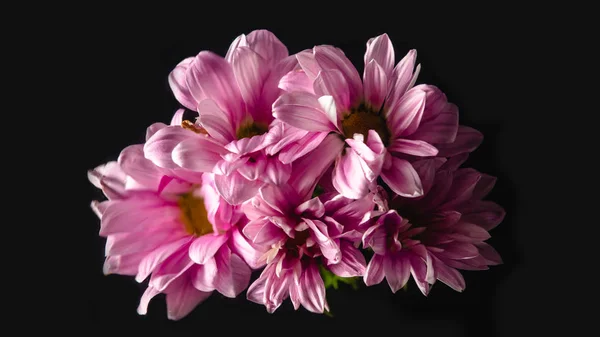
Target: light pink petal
(123, 264)
(281, 199)
(310, 66)
(256, 291)
(215, 76)
(436, 102)
(270, 92)
(170, 270)
(296, 80)
(402, 178)
(375, 85)
(178, 84)
(142, 170)
(203, 276)
(132, 215)
(110, 178)
(159, 147)
(312, 290)
(233, 274)
(449, 276)
(489, 253)
(157, 256)
(307, 170)
(205, 247)
(402, 78)
(329, 57)
(240, 41)
(246, 250)
(467, 140)
(295, 295)
(376, 238)
(130, 243)
(372, 153)
(276, 172)
(486, 214)
(215, 121)
(311, 208)
(251, 71)
(397, 271)
(413, 147)
(302, 110)
(354, 212)
(252, 144)
(418, 269)
(349, 179)
(352, 264)
(331, 82)
(329, 248)
(381, 50)
(236, 189)
(329, 107)
(276, 291)
(149, 293)
(253, 169)
(152, 129)
(404, 117)
(301, 147)
(182, 300)
(198, 154)
(374, 273)
(442, 129)
(267, 45)
(263, 232)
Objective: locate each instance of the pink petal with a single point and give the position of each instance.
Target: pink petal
(306, 60)
(312, 290)
(463, 184)
(402, 178)
(123, 264)
(240, 41)
(404, 117)
(198, 154)
(449, 276)
(453, 163)
(374, 273)
(203, 276)
(215, 76)
(132, 215)
(442, 129)
(329, 248)
(253, 169)
(205, 247)
(246, 250)
(418, 269)
(484, 186)
(329, 107)
(296, 80)
(158, 256)
(413, 147)
(438, 191)
(372, 153)
(149, 293)
(276, 291)
(276, 172)
(307, 170)
(467, 140)
(375, 84)
(397, 271)
(159, 147)
(236, 189)
(311, 208)
(233, 274)
(178, 84)
(142, 241)
(459, 251)
(110, 178)
(251, 71)
(256, 291)
(281, 199)
(183, 299)
(425, 169)
(170, 270)
(349, 179)
(329, 57)
(486, 214)
(267, 45)
(263, 233)
(263, 113)
(215, 121)
(380, 50)
(303, 111)
(402, 78)
(331, 82)
(142, 170)
(352, 263)
(489, 253)
(152, 129)
(376, 238)
(470, 233)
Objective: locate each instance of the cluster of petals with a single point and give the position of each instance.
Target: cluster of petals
(293, 166)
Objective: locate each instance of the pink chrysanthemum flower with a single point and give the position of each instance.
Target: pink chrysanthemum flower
(303, 232)
(171, 225)
(432, 236)
(385, 121)
(233, 97)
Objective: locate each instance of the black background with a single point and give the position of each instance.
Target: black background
(482, 62)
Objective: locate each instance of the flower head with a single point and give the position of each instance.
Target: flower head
(175, 230)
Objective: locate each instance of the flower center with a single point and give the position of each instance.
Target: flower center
(251, 129)
(293, 244)
(194, 215)
(361, 120)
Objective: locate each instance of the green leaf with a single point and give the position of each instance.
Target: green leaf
(332, 281)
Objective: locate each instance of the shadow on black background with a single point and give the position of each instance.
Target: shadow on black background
(132, 56)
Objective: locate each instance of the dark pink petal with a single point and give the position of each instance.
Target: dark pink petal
(267, 45)
(159, 147)
(236, 189)
(486, 214)
(458, 251)
(418, 269)
(380, 50)
(376, 238)
(215, 77)
(205, 247)
(463, 184)
(374, 273)
(349, 178)
(215, 121)
(281, 199)
(263, 232)
(270, 92)
(488, 252)
(375, 85)
(178, 84)
(467, 140)
(233, 274)
(352, 264)
(296, 80)
(449, 276)
(413, 147)
(170, 270)
(329, 57)
(404, 118)
(331, 82)
(203, 276)
(402, 178)
(157, 256)
(440, 130)
(402, 78)
(329, 248)
(183, 299)
(438, 192)
(307, 170)
(454, 163)
(397, 271)
(443, 220)
(197, 153)
(276, 172)
(425, 168)
(251, 71)
(470, 232)
(484, 186)
(354, 212)
(312, 208)
(303, 111)
(312, 290)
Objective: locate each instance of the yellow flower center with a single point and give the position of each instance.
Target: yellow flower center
(362, 119)
(250, 129)
(194, 215)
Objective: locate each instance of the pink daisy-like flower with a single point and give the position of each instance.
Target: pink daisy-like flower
(233, 97)
(176, 230)
(385, 121)
(433, 236)
(301, 232)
